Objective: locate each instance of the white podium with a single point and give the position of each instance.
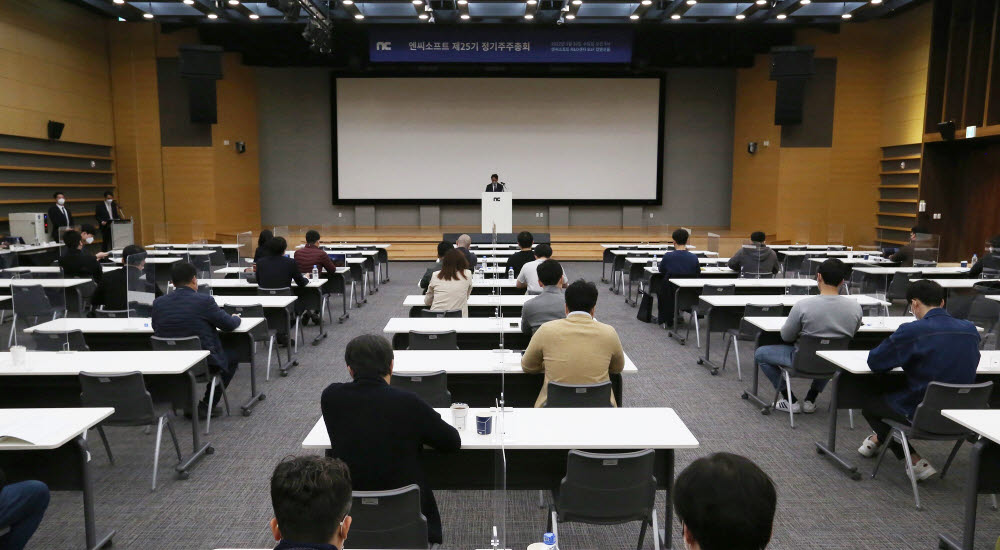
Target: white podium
(497, 210)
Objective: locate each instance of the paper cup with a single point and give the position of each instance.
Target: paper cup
(459, 412)
(19, 356)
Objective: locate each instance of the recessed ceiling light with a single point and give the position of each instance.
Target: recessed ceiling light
(805, 2)
(254, 16)
(675, 16)
(647, 2)
(577, 2)
(418, 2)
(119, 2)
(570, 16)
(359, 16)
(761, 2)
(876, 1)
(692, 2)
(213, 16)
(532, 2)
(846, 16)
(740, 17)
(422, 16)
(463, 2)
(347, 2)
(147, 15)
(234, 2)
(634, 17)
(465, 16)
(189, 2)
(782, 16)
(529, 16)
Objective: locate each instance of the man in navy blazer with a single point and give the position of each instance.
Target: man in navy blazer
(184, 312)
(495, 186)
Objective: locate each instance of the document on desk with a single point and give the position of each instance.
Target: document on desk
(21, 432)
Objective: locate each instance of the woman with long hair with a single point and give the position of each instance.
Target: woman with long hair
(450, 286)
(265, 236)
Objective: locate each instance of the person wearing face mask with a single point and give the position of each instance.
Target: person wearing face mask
(106, 212)
(87, 234)
(59, 215)
(76, 264)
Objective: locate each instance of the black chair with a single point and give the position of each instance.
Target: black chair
(127, 393)
(30, 303)
(201, 372)
(748, 332)
(707, 290)
(792, 264)
(296, 326)
(984, 312)
(432, 387)
(260, 333)
(607, 489)
(801, 290)
(71, 340)
(443, 340)
(388, 519)
(805, 364)
(441, 313)
(929, 424)
(578, 395)
(204, 288)
(899, 284)
(114, 313)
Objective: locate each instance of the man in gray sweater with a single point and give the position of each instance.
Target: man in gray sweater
(756, 259)
(550, 304)
(828, 315)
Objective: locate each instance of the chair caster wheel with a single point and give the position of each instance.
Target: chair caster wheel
(210, 450)
(701, 361)
(745, 396)
(246, 412)
(856, 476)
(262, 397)
(183, 475)
(284, 373)
(765, 412)
(715, 372)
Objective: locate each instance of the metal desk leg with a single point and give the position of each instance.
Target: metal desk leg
(292, 361)
(830, 447)
(255, 397)
(674, 332)
(604, 277)
(971, 498)
(712, 367)
(322, 309)
(89, 521)
(197, 449)
(668, 513)
(346, 314)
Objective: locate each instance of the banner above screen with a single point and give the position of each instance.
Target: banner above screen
(494, 45)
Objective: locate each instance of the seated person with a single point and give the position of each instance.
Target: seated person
(528, 277)
(22, 506)
(76, 264)
(443, 248)
(517, 260)
(451, 286)
(679, 262)
(550, 304)
(724, 502)
(262, 239)
(577, 349)
(186, 312)
(87, 233)
(380, 431)
(463, 244)
(828, 315)
(904, 256)
(934, 348)
(755, 260)
(112, 291)
(309, 256)
(275, 270)
(311, 497)
(988, 267)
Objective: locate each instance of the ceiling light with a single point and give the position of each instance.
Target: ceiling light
(570, 16)
(147, 15)
(465, 16)
(634, 17)
(647, 2)
(119, 2)
(254, 16)
(422, 16)
(463, 2)
(213, 16)
(876, 1)
(675, 16)
(359, 16)
(692, 2)
(846, 16)
(577, 2)
(782, 16)
(532, 2)
(189, 2)
(761, 2)
(234, 2)
(529, 16)
(740, 17)
(418, 2)
(347, 2)
(805, 2)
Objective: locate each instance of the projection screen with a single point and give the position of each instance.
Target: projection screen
(550, 139)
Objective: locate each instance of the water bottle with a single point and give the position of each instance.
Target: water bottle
(974, 259)
(479, 272)
(549, 540)
(170, 287)
(510, 273)
(315, 274)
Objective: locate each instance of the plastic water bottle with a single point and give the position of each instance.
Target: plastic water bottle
(975, 259)
(549, 540)
(479, 272)
(510, 273)
(170, 287)
(315, 274)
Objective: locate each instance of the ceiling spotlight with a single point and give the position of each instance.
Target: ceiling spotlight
(876, 1)
(234, 2)
(147, 15)
(782, 16)
(119, 2)
(422, 16)
(532, 2)
(254, 16)
(348, 2)
(634, 17)
(692, 2)
(805, 2)
(647, 2)
(213, 16)
(761, 2)
(740, 17)
(846, 16)
(188, 2)
(463, 2)
(570, 16)
(529, 16)
(577, 2)
(465, 16)
(359, 16)
(675, 16)
(418, 2)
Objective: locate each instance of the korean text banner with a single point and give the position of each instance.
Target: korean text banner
(473, 45)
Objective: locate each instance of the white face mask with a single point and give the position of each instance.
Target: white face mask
(60, 201)
(89, 240)
(109, 201)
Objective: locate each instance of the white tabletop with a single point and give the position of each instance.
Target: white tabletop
(646, 245)
(263, 301)
(237, 270)
(856, 361)
(50, 269)
(742, 300)
(924, 270)
(807, 246)
(135, 325)
(985, 422)
(959, 283)
(33, 247)
(556, 428)
(832, 253)
(48, 428)
(856, 260)
(348, 251)
(159, 253)
(477, 300)
(464, 325)
(46, 283)
(243, 283)
(690, 249)
(742, 283)
(494, 252)
(154, 260)
(206, 245)
(712, 270)
(701, 260)
(495, 283)
(489, 246)
(868, 324)
(71, 363)
(355, 245)
(466, 362)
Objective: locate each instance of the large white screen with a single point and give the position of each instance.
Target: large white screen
(548, 138)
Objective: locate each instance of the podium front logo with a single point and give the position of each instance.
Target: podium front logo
(496, 199)
(383, 46)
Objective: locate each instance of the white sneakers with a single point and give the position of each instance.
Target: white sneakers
(783, 405)
(921, 470)
(808, 407)
(868, 448)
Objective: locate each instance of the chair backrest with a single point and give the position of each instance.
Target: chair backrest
(990, 273)
(30, 301)
(793, 263)
(187, 343)
(801, 290)
(126, 392)
(607, 488)
(805, 362)
(578, 395)
(56, 340)
(750, 332)
(757, 274)
(441, 313)
(204, 288)
(388, 519)
(900, 282)
(114, 313)
(927, 420)
(249, 310)
(718, 290)
(432, 387)
(284, 291)
(447, 339)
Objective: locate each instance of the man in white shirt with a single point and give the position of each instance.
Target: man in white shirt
(528, 278)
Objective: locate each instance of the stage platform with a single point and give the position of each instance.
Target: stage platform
(568, 243)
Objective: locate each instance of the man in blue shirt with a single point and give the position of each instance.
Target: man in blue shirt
(311, 496)
(676, 263)
(934, 348)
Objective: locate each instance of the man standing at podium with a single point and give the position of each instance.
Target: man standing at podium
(106, 213)
(495, 186)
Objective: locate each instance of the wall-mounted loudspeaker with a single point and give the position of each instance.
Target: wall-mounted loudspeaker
(55, 129)
(947, 130)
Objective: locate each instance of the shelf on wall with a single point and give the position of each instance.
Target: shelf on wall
(93, 185)
(896, 214)
(898, 172)
(54, 154)
(904, 157)
(41, 169)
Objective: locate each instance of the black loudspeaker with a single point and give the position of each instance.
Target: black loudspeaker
(788, 100)
(198, 61)
(947, 130)
(792, 61)
(56, 129)
(201, 100)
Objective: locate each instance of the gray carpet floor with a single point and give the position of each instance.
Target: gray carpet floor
(226, 504)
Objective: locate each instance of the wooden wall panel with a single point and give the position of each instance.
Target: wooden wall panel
(54, 65)
(189, 192)
(755, 177)
(908, 43)
(237, 176)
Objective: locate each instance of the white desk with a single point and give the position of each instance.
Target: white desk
(351, 252)
(477, 300)
(160, 253)
(49, 269)
(206, 245)
(135, 325)
(821, 247)
(495, 283)
(245, 284)
(154, 260)
(645, 245)
(925, 270)
(33, 247)
(474, 361)
(60, 443)
(868, 324)
(742, 283)
(249, 269)
(985, 422)
(701, 260)
(949, 284)
(462, 325)
(855, 261)
(72, 363)
(691, 249)
(832, 253)
(982, 461)
(279, 302)
(45, 283)
(743, 300)
(856, 361)
(495, 252)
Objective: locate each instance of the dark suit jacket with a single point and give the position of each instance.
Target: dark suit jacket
(77, 264)
(380, 431)
(278, 272)
(185, 312)
(101, 212)
(425, 281)
(494, 187)
(904, 256)
(111, 291)
(470, 257)
(57, 220)
(517, 261)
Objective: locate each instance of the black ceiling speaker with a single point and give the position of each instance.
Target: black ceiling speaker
(947, 130)
(791, 67)
(56, 129)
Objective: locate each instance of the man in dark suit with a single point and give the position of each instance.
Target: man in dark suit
(106, 212)
(380, 431)
(77, 264)
(112, 291)
(87, 234)
(59, 215)
(185, 312)
(275, 270)
(495, 186)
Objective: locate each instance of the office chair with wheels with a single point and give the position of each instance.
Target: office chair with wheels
(260, 333)
(699, 310)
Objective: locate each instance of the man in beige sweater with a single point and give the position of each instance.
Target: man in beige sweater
(577, 349)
